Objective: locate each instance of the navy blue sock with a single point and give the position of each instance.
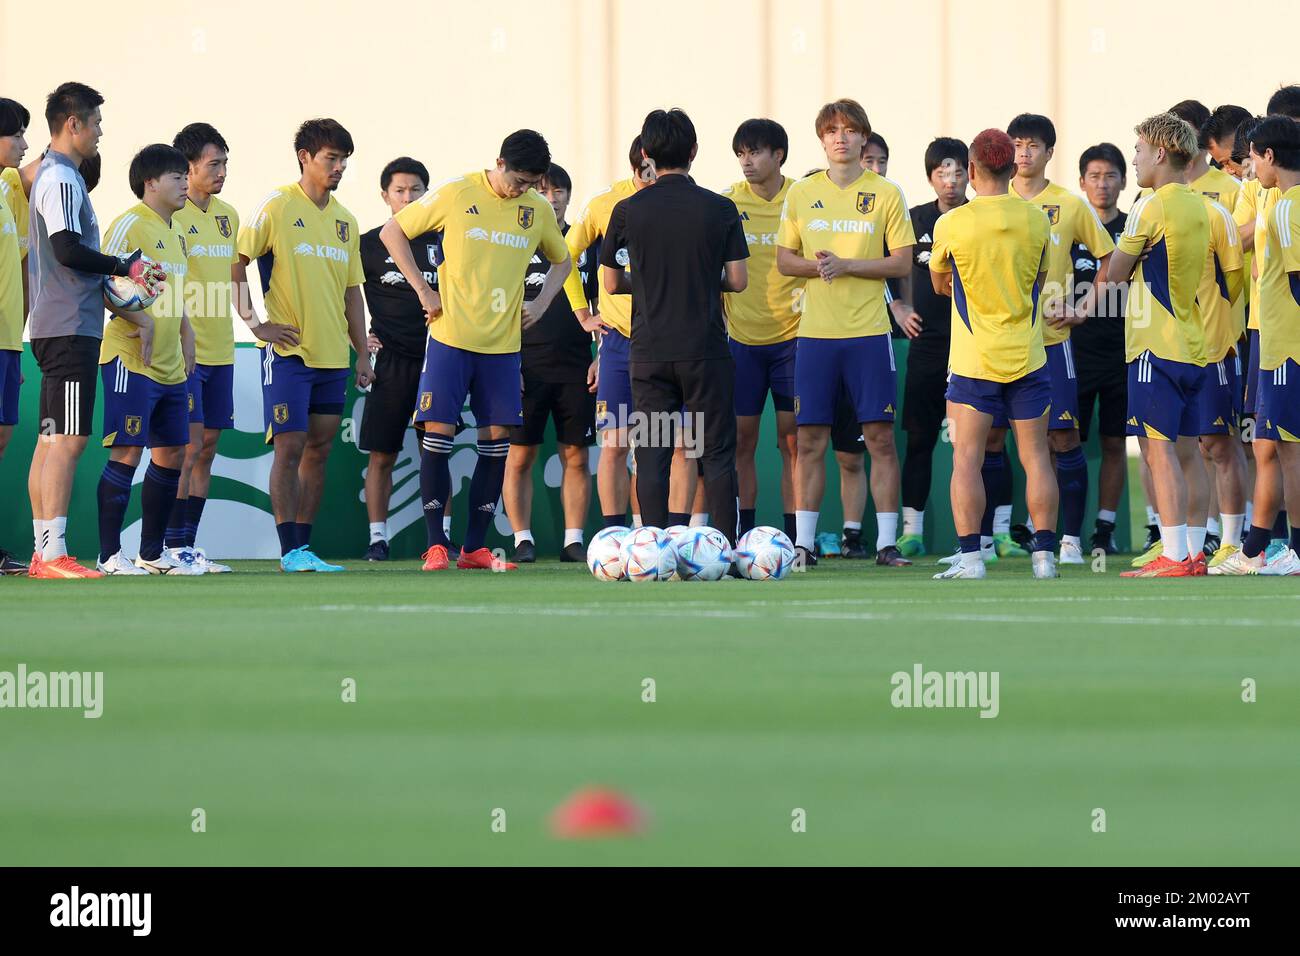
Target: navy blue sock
(157, 495)
(485, 489)
(1072, 477)
(991, 473)
(193, 513)
(788, 525)
(303, 532)
(288, 534)
(1043, 541)
(678, 517)
(1295, 540)
(614, 521)
(114, 495)
(435, 484)
(1279, 524)
(174, 535)
(969, 543)
(1256, 541)
(748, 517)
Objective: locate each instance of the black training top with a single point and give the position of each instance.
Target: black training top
(556, 350)
(395, 314)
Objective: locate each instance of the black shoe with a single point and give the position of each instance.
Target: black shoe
(525, 552)
(453, 550)
(574, 553)
(11, 565)
(891, 557)
(1103, 537)
(1153, 535)
(803, 557)
(1212, 543)
(1022, 536)
(378, 551)
(851, 545)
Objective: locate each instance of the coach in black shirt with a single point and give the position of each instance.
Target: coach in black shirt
(685, 246)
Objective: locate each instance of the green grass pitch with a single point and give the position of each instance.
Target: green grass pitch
(479, 691)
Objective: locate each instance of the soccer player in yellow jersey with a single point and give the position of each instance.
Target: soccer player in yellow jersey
(144, 361)
(307, 247)
(762, 321)
(613, 323)
(835, 226)
(1167, 240)
(492, 223)
(1275, 150)
(1072, 221)
(991, 256)
(14, 118)
(210, 227)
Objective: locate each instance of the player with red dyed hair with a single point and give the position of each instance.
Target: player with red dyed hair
(990, 256)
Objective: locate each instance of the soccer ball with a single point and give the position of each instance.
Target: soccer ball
(605, 553)
(650, 555)
(764, 554)
(703, 554)
(124, 293)
(675, 533)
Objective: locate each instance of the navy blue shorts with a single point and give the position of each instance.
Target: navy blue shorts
(212, 396)
(863, 366)
(760, 369)
(1277, 415)
(1163, 397)
(1065, 387)
(11, 365)
(292, 391)
(491, 380)
(1250, 394)
(140, 411)
(1216, 405)
(614, 386)
(1024, 399)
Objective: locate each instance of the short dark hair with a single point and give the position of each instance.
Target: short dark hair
(756, 134)
(1033, 126)
(875, 139)
(668, 136)
(525, 151)
(13, 117)
(153, 162)
(558, 178)
(1195, 113)
(90, 169)
(403, 164)
(317, 134)
(1103, 153)
(70, 99)
(193, 139)
(1285, 102)
(945, 147)
(1281, 134)
(1241, 139)
(1223, 122)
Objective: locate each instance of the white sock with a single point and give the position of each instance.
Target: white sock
(805, 529)
(1106, 516)
(886, 529)
(1232, 525)
(636, 520)
(699, 519)
(378, 531)
(1002, 519)
(38, 533)
(913, 521)
(1174, 541)
(1152, 517)
(1250, 511)
(1071, 539)
(446, 525)
(1195, 540)
(1212, 526)
(986, 542)
(572, 536)
(853, 526)
(55, 545)
(525, 535)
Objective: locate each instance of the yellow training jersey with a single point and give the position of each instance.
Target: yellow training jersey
(11, 283)
(1162, 316)
(142, 228)
(210, 236)
(1223, 308)
(1279, 283)
(856, 222)
(615, 310)
(768, 310)
(11, 192)
(1247, 209)
(1071, 220)
(995, 247)
(315, 257)
(487, 243)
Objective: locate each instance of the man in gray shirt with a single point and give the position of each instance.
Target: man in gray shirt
(66, 319)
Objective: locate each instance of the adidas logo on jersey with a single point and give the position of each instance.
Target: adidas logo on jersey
(925, 238)
(744, 217)
(472, 211)
(1219, 420)
(194, 230)
(818, 205)
(536, 260)
(161, 245)
(1064, 417)
(300, 224)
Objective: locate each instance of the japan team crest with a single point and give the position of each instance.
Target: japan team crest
(1053, 214)
(426, 401)
(280, 413)
(341, 229)
(223, 226)
(433, 254)
(866, 202)
(525, 216)
(133, 425)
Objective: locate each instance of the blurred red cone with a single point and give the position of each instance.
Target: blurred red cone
(597, 812)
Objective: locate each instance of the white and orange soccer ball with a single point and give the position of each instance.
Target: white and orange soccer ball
(703, 554)
(649, 555)
(764, 554)
(605, 553)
